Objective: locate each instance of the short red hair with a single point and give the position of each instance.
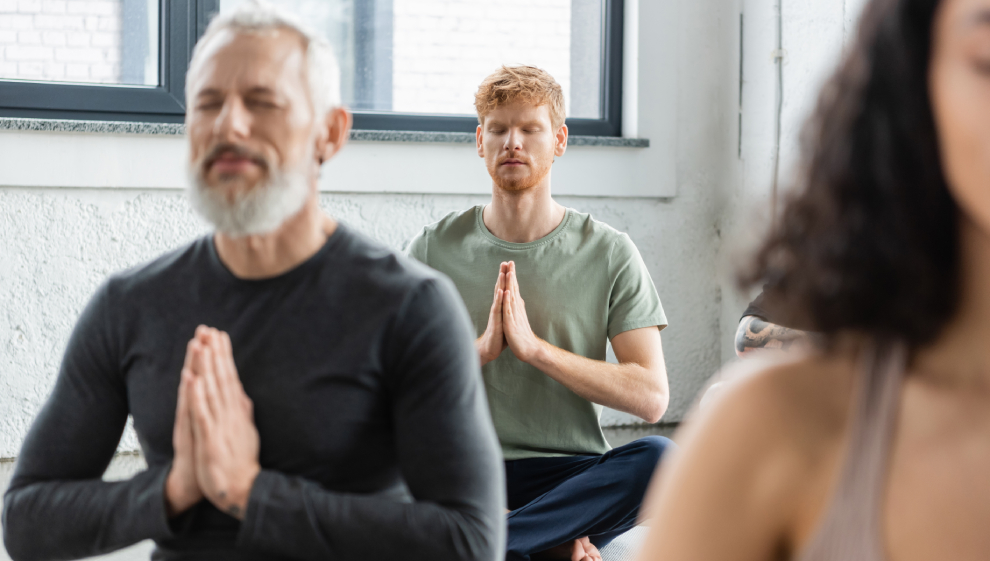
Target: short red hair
(520, 83)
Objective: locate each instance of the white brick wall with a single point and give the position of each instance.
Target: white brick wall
(60, 40)
(442, 49)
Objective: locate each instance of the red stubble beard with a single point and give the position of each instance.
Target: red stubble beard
(538, 171)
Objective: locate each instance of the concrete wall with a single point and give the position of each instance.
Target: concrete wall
(814, 34)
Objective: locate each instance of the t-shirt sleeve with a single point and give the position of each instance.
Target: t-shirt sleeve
(417, 247)
(768, 307)
(633, 300)
(57, 505)
(758, 308)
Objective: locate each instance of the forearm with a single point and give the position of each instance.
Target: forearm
(68, 519)
(755, 333)
(293, 517)
(628, 387)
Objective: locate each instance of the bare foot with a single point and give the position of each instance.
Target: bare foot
(580, 549)
(584, 550)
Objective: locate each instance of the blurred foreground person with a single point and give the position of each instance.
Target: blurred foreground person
(547, 287)
(878, 447)
(336, 380)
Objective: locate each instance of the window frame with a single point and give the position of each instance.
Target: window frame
(610, 124)
(182, 22)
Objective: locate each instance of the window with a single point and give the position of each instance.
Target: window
(87, 42)
(405, 64)
(122, 60)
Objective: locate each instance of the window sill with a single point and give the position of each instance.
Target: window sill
(122, 127)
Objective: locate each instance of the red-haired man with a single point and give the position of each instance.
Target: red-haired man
(584, 283)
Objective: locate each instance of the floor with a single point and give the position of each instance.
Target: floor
(617, 436)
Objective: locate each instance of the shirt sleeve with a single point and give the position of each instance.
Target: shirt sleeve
(445, 445)
(57, 505)
(758, 308)
(633, 300)
(768, 307)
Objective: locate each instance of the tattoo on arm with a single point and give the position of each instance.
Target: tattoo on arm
(755, 333)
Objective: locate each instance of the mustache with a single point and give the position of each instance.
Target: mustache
(234, 150)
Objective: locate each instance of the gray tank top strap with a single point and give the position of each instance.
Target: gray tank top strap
(851, 527)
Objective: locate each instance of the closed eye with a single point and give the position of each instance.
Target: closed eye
(261, 104)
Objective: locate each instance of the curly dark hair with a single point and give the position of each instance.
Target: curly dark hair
(868, 240)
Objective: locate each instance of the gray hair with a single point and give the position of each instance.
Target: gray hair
(322, 71)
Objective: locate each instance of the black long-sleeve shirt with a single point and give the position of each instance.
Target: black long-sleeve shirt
(366, 391)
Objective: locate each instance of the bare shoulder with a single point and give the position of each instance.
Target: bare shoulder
(792, 415)
(756, 461)
(802, 398)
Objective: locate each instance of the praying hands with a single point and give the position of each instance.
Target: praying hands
(508, 324)
(215, 440)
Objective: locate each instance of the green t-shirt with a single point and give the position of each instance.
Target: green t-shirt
(582, 283)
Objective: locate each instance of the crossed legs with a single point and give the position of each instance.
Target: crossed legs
(558, 500)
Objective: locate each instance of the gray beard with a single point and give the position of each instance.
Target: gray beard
(261, 210)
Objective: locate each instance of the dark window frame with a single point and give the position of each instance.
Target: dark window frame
(611, 95)
(182, 22)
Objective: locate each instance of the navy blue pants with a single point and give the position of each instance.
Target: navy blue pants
(558, 500)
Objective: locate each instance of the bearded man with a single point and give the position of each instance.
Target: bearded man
(544, 358)
(299, 391)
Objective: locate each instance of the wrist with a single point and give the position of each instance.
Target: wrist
(234, 502)
(485, 357)
(179, 495)
(538, 353)
(481, 345)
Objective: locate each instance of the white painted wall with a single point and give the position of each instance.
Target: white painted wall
(814, 35)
